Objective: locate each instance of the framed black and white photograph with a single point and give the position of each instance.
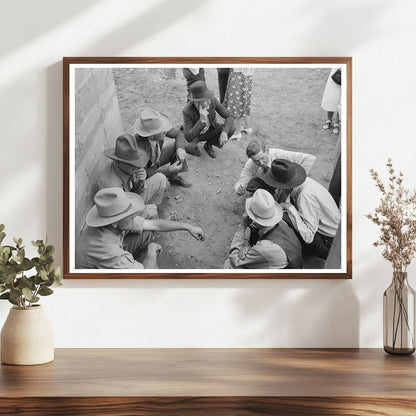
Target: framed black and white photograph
(207, 167)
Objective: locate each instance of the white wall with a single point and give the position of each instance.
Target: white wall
(380, 35)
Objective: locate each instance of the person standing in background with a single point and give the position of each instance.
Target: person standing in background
(192, 75)
(331, 100)
(223, 74)
(238, 99)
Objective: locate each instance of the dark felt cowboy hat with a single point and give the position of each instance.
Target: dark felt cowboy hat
(151, 122)
(112, 205)
(198, 91)
(284, 174)
(263, 209)
(128, 151)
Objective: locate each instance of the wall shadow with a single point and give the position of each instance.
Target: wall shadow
(38, 18)
(301, 314)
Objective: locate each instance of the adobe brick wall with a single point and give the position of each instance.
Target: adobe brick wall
(97, 125)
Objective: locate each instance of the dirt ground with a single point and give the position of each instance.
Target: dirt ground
(286, 112)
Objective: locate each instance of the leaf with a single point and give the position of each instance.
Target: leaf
(5, 295)
(24, 282)
(57, 276)
(2, 236)
(45, 291)
(15, 294)
(17, 241)
(49, 250)
(13, 302)
(2, 288)
(21, 254)
(27, 293)
(29, 296)
(2, 227)
(8, 277)
(43, 275)
(26, 264)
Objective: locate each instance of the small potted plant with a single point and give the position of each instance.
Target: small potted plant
(27, 336)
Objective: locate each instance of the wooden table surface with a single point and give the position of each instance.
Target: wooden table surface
(212, 382)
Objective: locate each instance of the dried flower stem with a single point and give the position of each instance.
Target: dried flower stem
(396, 216)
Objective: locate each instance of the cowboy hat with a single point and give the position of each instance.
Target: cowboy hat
(285, 174)
(112, 205)
(198, 91)
(128, 151)
(263, 209)
(151, 122)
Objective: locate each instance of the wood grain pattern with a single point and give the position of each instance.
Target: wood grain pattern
(212, 381)
(206, 60)
(207, 406)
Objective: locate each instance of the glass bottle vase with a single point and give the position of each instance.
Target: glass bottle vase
(399, 316)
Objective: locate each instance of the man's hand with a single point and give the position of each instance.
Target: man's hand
(223, 138)
(181, 154)
(245, 221)
(139, 175)
(196, 232)
(154, 249)
(240, 189)
(203, 115)
(242, 253)
(175, 167)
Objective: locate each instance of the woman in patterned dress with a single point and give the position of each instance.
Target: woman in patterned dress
(238, 99)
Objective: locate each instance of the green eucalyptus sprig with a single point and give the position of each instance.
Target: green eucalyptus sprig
(15, 285)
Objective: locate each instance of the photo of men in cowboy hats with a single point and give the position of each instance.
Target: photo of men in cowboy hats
(259, 200)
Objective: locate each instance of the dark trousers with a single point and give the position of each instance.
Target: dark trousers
(212, 135)
(223, 74)
(335, 184)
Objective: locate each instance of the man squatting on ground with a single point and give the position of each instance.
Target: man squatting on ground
(126, 171)
(117, 237)
(308, 207)
(312, 211)
(259, 162)
(263, 239)
(167, 146)
(200, 120)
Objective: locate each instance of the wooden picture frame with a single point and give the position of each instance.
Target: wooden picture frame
(103, 95)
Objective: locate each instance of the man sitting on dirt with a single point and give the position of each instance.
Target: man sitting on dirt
(263, 240)
(259, 162)
(117, 237)
(167, 146)
(200, 120)
(127, 171)
(313, 213)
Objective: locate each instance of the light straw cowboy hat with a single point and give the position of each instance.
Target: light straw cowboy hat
(128, 151)
(284, 174)
(151, 122)
(263, 209)
(112, 205)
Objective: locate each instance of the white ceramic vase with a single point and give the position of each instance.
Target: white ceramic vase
(27, 337)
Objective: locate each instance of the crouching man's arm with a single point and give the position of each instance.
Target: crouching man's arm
(168, 225)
